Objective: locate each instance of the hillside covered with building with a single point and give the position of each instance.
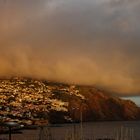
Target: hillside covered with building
(30, 101)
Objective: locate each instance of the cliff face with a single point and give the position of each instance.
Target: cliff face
(99, 106)
(96, 105)
(36, 101)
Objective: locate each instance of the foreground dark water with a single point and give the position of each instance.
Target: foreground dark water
(92, 130)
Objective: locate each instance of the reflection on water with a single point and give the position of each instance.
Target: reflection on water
(90, 131)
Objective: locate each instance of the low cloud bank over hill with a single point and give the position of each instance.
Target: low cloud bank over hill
(74, 41)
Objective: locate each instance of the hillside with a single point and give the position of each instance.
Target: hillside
(31, 101)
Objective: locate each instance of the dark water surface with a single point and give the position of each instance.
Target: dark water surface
(92, 130)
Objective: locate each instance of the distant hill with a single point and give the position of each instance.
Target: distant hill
(31, 101)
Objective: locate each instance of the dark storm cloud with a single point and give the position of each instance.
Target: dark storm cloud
(92, 42)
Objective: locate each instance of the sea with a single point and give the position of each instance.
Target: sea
(119, 130)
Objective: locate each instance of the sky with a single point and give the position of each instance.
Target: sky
(135, 99)
(89, 42)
